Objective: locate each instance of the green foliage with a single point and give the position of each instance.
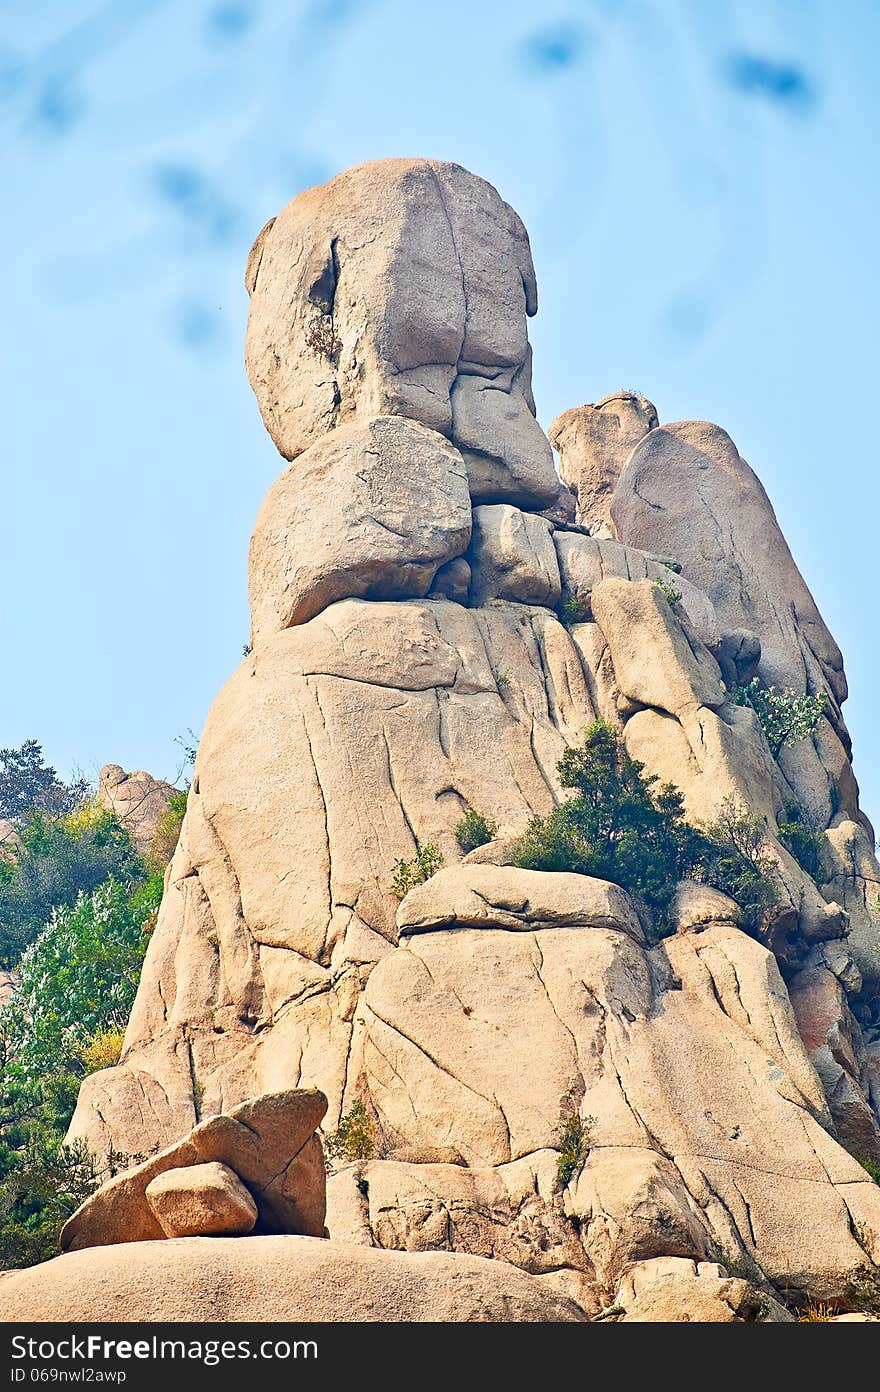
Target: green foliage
(573, 1146)
(802, 840)
(872, 1168)
(574, 610)
(409, 873)
(624, 826)
(666, 588)
(502, 681)
(48, 1184)
(167, 831)
(475, 830)
(785, 717)
(355, 1138)
(76, 986)
(734, 860)
(59, 859)
(79, 976)
(28, 785)
(619, 825)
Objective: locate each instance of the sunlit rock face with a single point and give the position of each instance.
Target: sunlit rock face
(430, 632)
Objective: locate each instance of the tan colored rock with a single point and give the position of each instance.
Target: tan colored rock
(686, 491)
(702, 1299)
(655, 662)
(268, 1142)
(137, 800)
(695, 906)
(585, 560)
(594, 443)
(323, 759)
(471, 896)
(401, 288)
(705, 1119)
(8, 987)
(372, 510)
(833, 1040)
(274, 1279)
(512, 557)
(201, 1201)
(511, 1213)
(498, 851)
(854, 881)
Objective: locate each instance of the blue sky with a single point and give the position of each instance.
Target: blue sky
(699, 179)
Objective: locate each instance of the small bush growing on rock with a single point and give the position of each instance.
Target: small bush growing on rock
(574, 610)
(573, 1146)
(620, 825)
(409, 873)
(816, 1313)
(625, 826)
(167, 831)
(872, 1168)
(785, 716)
(734, 859)
(354, 1138)
(502, 681)
(321, 337)
(475, 830)
(668, 590)
(801, 840)
(103, 1049)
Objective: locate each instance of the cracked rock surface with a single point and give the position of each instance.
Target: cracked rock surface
(432, 630)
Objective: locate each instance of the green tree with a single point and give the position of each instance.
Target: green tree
(785, 716)
(625, 826)
(620, 825)
(28, 785)
(59, 859)
(77, 983)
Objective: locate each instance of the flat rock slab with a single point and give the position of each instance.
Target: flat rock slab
(276, 1278)
(503, 896)
(202, 1201)
(268, 1141)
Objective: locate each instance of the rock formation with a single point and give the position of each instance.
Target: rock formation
(137, 799)
(409, 577)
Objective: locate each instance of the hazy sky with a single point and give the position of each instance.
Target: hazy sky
(699, 179)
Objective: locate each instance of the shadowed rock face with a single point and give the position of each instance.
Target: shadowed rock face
(402, 288)
(409, 663)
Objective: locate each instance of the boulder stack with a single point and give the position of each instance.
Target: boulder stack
(540, 1075)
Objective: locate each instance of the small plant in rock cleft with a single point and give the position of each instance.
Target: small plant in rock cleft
(321, 338)
(575, 609)
(802, 840)
(872, 1168)
(785, 716)
(474, 830)
(668, 590)
(353, 1139)
(427, 860)
(573, 1145)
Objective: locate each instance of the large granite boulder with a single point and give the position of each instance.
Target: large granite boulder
(402, 288)
(594, 443)
(268, 1144)
(217, 1280)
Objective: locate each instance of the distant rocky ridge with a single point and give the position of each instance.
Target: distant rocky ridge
(408, 574)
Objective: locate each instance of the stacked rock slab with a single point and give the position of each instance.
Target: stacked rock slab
(412, 664)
